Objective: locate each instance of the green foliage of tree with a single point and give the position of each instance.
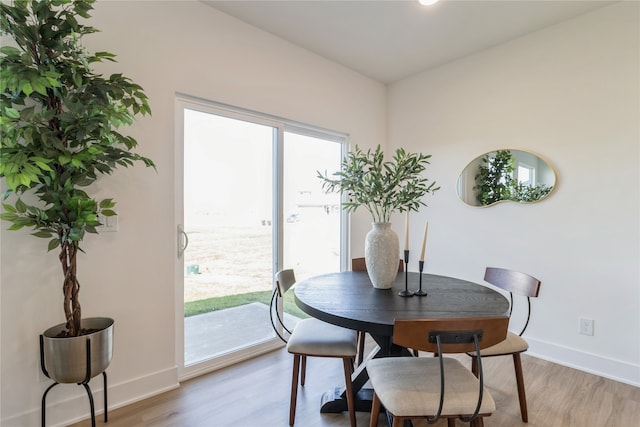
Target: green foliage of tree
(529, 193)
(495, 178)
(382, 187)
(495, 182)
(59, 126)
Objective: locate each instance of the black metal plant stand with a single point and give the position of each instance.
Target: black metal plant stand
(84, 383)
(406, 292)
(420, 292)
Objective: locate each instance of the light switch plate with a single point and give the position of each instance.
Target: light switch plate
(109, 223)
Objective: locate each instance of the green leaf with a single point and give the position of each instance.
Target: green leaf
(43, 166)
(12, 182)
(39, 87)
(43, 234)
(53, 243)
(9, 51)
(77, 79)
(64, 159)
(8, 216)
(20, 206)
(8, 208)
(27, 88)
(12, 113)
(107, 203)
(75, 234)
(24, 179)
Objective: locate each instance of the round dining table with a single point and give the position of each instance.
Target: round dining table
(348, 299)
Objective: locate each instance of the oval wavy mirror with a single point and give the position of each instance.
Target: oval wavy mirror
(505, 175)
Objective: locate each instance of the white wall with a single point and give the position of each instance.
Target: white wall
(569, 93)
(167, 47)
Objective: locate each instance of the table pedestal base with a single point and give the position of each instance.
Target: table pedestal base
(334, 402)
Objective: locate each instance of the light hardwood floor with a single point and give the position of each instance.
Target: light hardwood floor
(256, 393)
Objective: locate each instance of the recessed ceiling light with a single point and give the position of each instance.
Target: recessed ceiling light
(427, 2)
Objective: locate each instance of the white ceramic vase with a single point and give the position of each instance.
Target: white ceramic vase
(381, 249)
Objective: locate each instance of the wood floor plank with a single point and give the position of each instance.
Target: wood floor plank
(256, 393)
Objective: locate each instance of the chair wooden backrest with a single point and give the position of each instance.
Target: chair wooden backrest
(285, 279)
(514, 282)
(456, 334)
(358, 264)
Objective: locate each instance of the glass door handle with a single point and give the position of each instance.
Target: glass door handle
(183, 241)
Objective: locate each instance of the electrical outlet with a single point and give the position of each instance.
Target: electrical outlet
(586, 326)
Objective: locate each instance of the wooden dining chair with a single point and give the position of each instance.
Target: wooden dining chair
(312, 337)
(359, 264)
(520, 284)
(435, 387)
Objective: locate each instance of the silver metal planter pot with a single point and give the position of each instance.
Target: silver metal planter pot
(65, 358)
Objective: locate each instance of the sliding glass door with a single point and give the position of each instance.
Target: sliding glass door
(250, 204)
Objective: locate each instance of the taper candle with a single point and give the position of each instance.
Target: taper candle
(406, 234)
(424, 242)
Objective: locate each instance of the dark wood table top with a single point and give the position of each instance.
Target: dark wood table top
(348, 299)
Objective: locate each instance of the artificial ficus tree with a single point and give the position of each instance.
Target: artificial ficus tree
(59, 129)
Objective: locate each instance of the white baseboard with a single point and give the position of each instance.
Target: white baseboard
(606, 367)
(68, 403)
(229, 359)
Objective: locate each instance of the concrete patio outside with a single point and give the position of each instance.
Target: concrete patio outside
(221, 331)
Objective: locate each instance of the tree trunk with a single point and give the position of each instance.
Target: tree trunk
(70, 288)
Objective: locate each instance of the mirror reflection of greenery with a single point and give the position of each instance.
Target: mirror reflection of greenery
(495, 181)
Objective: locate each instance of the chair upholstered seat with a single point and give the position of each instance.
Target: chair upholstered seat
(409, 386)
(513, 344)
(314, 337)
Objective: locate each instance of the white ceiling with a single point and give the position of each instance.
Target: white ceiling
(389, 40)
